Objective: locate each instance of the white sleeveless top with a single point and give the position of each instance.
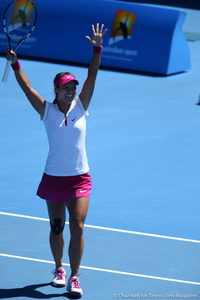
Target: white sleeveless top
(67, 153)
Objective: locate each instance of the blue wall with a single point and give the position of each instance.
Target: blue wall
(154, 43)
(192, 4)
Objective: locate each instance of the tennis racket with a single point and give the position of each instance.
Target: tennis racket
(19, 22)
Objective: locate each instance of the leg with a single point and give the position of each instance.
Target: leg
(77, 213)
(57, 215)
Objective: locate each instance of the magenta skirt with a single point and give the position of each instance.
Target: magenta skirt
(64, 188)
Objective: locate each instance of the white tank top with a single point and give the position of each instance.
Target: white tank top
(67, 153)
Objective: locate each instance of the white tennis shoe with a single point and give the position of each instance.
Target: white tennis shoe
(59, 277)
(74, 286)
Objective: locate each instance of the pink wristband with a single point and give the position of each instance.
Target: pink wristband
(16, 66)
(97, 49)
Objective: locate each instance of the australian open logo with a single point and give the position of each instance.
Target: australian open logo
(21, 15)
(122, 26)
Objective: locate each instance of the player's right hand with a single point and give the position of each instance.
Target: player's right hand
(11, 55)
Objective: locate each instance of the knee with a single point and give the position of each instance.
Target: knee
(76, 229)
(57, 226)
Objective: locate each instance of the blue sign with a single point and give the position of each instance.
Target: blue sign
(145, 38)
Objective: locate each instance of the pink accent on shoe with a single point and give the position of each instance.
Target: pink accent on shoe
(76, 283)
(60, 277)
(74, 286)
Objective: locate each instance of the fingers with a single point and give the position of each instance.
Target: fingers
(89, 38)
(97, 35)
(101, 32)
(93, 30)
(101, 28)
(11, 55)
(97, 30)
(104, 32)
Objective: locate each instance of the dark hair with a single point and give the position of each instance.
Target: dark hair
(58, 76)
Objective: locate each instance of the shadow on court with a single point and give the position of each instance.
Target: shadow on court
(30, 291)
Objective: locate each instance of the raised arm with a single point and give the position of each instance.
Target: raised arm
(88, 87)
(34, 98)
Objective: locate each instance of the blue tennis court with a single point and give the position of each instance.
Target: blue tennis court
(142, 233)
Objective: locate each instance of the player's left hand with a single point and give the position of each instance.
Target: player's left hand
(97, 39)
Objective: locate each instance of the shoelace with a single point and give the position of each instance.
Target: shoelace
(75, 282)
(59, 273)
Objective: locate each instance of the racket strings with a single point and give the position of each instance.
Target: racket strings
(20, 18)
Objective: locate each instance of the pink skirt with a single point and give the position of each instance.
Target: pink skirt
(64, 188)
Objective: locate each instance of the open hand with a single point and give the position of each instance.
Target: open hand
(97, 39)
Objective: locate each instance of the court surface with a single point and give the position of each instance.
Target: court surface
(142, 233)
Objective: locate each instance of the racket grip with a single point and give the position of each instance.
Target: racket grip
(6, 72)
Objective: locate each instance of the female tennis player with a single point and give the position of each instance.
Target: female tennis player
(66, 181)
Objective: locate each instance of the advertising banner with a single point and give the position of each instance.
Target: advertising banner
(145, 38)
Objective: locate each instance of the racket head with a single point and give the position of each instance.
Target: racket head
(19, 20)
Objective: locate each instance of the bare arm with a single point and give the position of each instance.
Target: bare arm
(34, 98)
(88, 87)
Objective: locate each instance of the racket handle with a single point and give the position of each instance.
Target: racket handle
(6, 72)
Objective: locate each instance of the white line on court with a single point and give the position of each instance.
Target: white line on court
(109, 229)
(103, 270)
